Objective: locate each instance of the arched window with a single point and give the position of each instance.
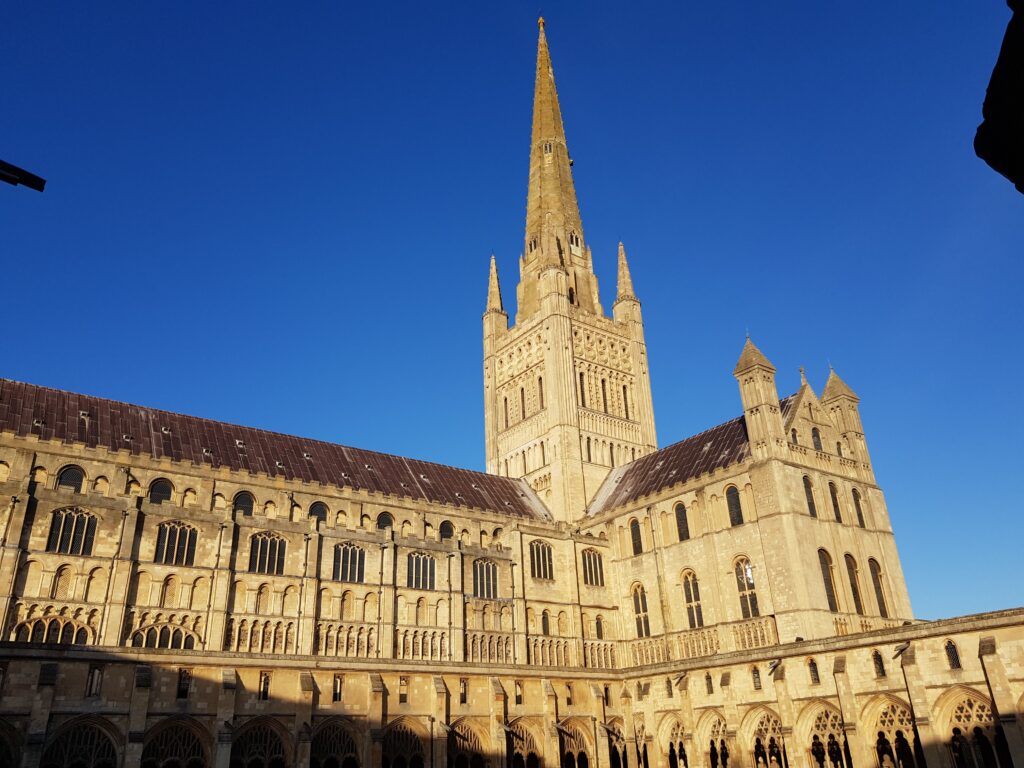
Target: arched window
(505, 406)
(446, 530)
(834, 493)
(71, 478)
(572, 295)
(244, 503)
(485, 579)
(851, 571)
(420, 571)
(266, 553)
(816, 439)
(839, 449)
(952, 655)
(385, 522)
(583, 390)
(691, 594)
(593, 568)
(81, 744)
(857, 507)
(879, 662)
(809, 493)
(643, 624)
(319, 511)
(812, 670)
(175, 544)
(541, 566)
(825, 560)
(545, 623)
(636, 537)
(709, 684)
(755, 678)
(522, 403)
(604, 394)
(732, 500)
(160, 491)
(349, 563)
(682, 524)
(72, 532)
(793, 437)
(745, 586)
(876, 582)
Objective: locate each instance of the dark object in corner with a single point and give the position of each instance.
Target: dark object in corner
(1000, 138)
(12, 174)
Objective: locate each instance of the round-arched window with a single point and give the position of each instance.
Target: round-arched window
(244, 503)
(160, 491)
(385, 521)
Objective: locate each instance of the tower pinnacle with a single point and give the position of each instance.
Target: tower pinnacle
(493, 289)
(625, 280)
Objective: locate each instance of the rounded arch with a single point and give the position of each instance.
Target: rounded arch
(71, 477)
(85, 742)
(177, 742)
(261, 743)
(160, 490)
(334, 744)
(243, 502)
(385, 521)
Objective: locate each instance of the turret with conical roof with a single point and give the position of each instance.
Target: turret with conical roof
(841, 402)
(756, 377)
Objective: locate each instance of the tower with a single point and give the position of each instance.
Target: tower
(756, 377)
(567, 392)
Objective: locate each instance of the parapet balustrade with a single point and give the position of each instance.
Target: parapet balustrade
(348, 639)
(489, 647)
(599, 654)
(695, 643)
(547, 651)
(754, 633)
(649, 650)
(426, 643)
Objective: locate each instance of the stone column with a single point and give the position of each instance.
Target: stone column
(225, 717)
(40, 715)
(859, 750)
(934, 754)
(1002, 697)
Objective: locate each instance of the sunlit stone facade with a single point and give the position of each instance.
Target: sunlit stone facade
(180, 592)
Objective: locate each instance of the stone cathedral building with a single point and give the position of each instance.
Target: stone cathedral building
(177, 592)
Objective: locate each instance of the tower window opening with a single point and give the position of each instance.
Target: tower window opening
(852, 572)
(540, 392)
(816, 439)
(604, 394)
(572, 295)
(625, 401)
(793, 437)
(583, 390)
(506, 412)
(522, 403)
(589, 458)
(834, 493)
(547, 148)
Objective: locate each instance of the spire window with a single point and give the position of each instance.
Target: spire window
(732, 500)
(852, 572)
(816, 439)
(876, 582)
(691, 593)
(809, 493)
(825, 561)
(834, 493)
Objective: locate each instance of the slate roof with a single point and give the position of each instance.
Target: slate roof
(712, 449)
(52, 414)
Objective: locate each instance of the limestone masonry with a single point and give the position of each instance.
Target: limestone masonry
(181, 593)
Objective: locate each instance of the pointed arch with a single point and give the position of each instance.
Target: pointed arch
(335, 743)
(261, 743)
(177, 742)
(85, 742)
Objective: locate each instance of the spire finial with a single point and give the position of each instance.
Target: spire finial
(540, 23)
(803, 375)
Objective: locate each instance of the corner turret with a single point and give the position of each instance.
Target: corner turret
(756, 377)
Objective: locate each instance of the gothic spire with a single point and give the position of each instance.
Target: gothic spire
(751, 357)
(552, 213)
(493, 289)
(625, 281)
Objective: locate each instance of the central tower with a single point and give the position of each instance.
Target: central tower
(567, 394)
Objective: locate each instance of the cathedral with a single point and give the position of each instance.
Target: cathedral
(177, 592)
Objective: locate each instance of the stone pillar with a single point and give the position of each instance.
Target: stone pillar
(859, 750)
(552, 737)
(305, 708)
(225, 717)
(498, 708)
(138, 711)
(934, 754)
(787, 713)
(40, 716)
(1002, 697)
(439, 715)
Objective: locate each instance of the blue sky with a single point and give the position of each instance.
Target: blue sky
(281, 215)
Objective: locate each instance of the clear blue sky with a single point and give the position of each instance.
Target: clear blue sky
(281, 215)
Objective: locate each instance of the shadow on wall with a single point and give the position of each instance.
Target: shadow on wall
(65, 706)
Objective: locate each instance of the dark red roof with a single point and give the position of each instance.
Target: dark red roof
(712, 449)
(52, 414)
